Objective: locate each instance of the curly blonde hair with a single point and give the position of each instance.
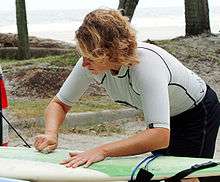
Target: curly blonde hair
(107, 35)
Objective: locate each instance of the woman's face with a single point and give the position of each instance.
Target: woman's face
(97, 67)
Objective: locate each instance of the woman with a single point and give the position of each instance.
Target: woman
(182, 113)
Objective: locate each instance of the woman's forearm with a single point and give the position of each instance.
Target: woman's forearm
(55, 114)
(148, 140)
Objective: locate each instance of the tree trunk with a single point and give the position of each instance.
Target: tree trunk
(128, 7)
(197, 17)
(23, 41)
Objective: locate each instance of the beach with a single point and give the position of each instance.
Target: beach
(150, 23)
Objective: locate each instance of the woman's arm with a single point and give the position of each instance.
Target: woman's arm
(72, 89)
(54, 116)
(145, 141)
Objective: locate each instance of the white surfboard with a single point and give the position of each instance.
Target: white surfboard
(11, 180)
(46, 172)
(28, 164)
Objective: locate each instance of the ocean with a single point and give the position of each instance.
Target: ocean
(149, 23)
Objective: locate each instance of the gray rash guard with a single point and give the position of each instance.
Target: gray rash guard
(159, 85)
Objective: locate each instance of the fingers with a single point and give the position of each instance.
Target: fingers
(39, 140)
(76, 159)
(79, 158)
(74, 162)
(67, 160)
(43, 145)
(52, 147)
(88, 163)
(48, 149)
(44, 142)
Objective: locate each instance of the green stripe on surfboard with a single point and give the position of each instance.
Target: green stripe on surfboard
(162, 166)
(115, 167)
(108, 166)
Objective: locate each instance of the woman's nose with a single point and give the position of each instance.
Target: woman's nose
(86, 62)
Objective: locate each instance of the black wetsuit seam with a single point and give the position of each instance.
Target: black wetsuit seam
(125, 103)
(103, 79)
(122, 76)
(162, 60)
(131, 85)
(129, 80)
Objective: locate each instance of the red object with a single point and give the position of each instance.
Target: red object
(3, 105)
(4, 145)
(4, 99)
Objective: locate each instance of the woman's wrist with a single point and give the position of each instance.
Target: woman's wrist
(104, 151)
(52, 133)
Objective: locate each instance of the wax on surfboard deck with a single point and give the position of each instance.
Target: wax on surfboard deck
(28, 164)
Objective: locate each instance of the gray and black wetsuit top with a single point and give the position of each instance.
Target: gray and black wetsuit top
(159, 85)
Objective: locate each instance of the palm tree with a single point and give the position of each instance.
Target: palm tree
(23, 41)
(197, 17)
(128, 7)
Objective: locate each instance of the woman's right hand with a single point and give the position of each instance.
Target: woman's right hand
(46, 142)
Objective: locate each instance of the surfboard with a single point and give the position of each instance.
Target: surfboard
(31, 165)
(11, 180)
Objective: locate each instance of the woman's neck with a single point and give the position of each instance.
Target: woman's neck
(115, 69)
(114, 72)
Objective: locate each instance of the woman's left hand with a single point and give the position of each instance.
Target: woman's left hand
(80, 158)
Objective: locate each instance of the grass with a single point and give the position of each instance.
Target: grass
(69, 59)
(33, 108)
(27, 108)
(95, 103)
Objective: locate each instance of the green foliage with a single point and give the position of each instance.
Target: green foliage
(94, 103)
(27, 108)
(33, 108)
(69, 59)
